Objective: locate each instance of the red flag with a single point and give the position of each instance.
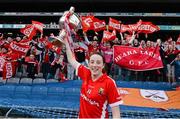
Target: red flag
(19, 48)
(114, 24)
(134, 27)
(87, 23)
(2, 61)
(108, 36)
(8, 69)
(99, 24)
(25, 42)
(38, 26)
(147, 27)
(136, 58)
(125, 28)
(28, 31)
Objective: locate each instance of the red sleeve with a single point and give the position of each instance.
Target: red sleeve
(83, 72)
(114, 99)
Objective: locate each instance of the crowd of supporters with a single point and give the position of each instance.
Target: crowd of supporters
(53, 64)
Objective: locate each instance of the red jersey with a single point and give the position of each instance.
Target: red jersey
(96, 95)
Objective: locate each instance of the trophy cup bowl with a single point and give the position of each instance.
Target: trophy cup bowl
(74, 23)
(74, 19)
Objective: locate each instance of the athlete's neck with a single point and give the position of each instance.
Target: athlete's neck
(96, 77)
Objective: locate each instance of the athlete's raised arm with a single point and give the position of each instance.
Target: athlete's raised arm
(70, 56)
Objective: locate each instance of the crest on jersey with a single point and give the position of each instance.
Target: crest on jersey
(101, 91)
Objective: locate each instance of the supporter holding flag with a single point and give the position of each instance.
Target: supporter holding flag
(176, 64)
(32, 66)
(108, 36)
(107, 52)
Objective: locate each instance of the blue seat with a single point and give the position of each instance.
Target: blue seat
(22, 92)
(52, 81)
(26, 81)
(2, 81)
(55, 93)
(39, 92)
(72, 94)
(7, 91)
(14, 80)
(72, 91)
(39, 81)
(77, 83)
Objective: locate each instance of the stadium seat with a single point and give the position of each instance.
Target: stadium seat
(2, 80)
(14, 80)
(24, 74)
(39, 92)
(72, 94)
(39, 75)
(26, 81)
(22, 92)
(52, 81)
(7, 91)
(39, 81)
(55, 93)
(77, 83)
(18, 74)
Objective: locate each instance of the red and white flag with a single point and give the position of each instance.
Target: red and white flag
(87, 23)
(134, 27)
(25, 42)
(8, 69)
(29, 31)
(147, 27)
(114, 24)
(38, 25)
(98, 24)
(125, 28)
(19, 48)
(108, 36)
(137, 59)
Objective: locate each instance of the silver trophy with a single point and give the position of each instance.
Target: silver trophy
(74, 19)
(74, 23)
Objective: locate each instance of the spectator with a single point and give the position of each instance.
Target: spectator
(32, 64)
(176, 64)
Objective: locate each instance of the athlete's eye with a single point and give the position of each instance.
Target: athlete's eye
(91, 61)
(98, 62)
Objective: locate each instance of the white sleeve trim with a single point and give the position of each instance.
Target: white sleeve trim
(116, 103)
(77, 68)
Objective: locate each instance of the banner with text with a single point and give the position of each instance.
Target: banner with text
(137, 59)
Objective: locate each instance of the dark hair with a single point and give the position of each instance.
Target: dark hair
(98, 53)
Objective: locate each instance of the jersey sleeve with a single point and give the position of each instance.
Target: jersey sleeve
(114, 99)
(83, 72)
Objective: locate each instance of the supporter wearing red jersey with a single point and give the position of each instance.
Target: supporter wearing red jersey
(98, 90)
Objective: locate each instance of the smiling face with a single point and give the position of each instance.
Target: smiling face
(96, 65)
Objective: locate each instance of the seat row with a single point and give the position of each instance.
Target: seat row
(38, 92)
